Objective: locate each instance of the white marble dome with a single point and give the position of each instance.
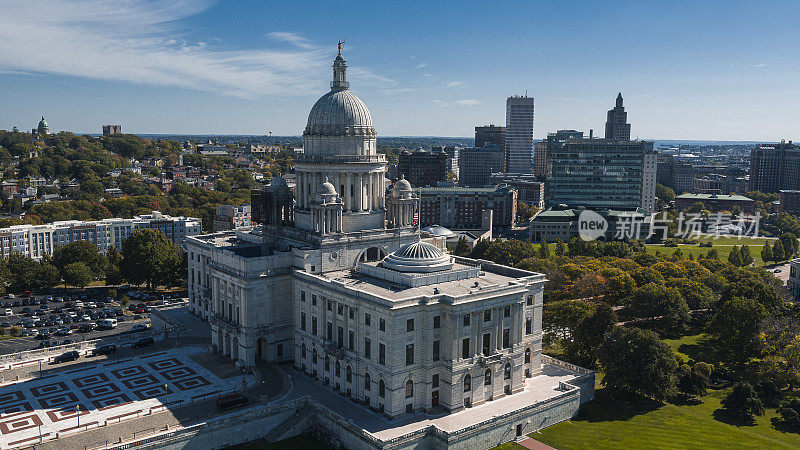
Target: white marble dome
(402, 186)
(339, 113)
(418, 257)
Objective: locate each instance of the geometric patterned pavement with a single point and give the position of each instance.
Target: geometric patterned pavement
(106, 391)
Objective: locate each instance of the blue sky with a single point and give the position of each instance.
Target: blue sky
(687, 70)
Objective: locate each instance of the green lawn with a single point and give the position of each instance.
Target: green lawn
(690, 347)
(722, 248)
(647, 425)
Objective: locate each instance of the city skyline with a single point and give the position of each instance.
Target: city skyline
(203, 67)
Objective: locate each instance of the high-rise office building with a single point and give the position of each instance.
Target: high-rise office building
(540, 158)
(476, 164)
(423, 168)
(519, 134)
(602, 173)
(774, 167)
(552, 140)
(452, 153)
(617, 126)
(490, 134)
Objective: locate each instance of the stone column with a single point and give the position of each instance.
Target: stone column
(301, 189)
(348, 201)
(375, 191)
(359, 192)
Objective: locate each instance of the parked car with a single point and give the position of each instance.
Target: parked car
(68, 356)
(143, 342)
(229, 401)
(105, 350)
(63, 331)
(86, 328)
(9, 312)
(107, 324)
(140, 327)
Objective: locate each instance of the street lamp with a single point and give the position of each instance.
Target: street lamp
(78, 413)
(166, 395)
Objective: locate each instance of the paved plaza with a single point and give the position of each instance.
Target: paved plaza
(105, 393)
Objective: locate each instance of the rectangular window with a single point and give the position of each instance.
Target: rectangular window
(437, 321)
(366, 319)
(506, 338)
(314, 299)
(382, 325)
(435, 350)
(330, 307)
(352, 313)
(330, 331)
(410, 325)
(465, 348)
(529, 301)
(409, 354)
(528, 326)
(367, 348)
(303, 321)
(487, 338)
(507, 311)
(340, 309)
(314, 326)
(382, 354)
(435, 380)
(466, 320)
(351, 340)
(302, 296)
(340, 337)
(487, 315)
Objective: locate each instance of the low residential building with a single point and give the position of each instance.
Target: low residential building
(461, 208)
(111, 129)
(476, 164)
(715, 202)
(789, 201)
(529, 189)
(231, 217)
(564, 224)
(37, 241)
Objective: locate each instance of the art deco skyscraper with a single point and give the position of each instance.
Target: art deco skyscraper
(519, 134)
(616, 122)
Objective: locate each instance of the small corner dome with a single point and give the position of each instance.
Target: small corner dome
(402, 185)
(418, 257)
(326, 188)
(278, 184)
(43, 124)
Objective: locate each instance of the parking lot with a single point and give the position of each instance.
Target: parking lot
(107, 391)
(50, 320)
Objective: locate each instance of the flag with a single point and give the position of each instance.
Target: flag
(415, 219)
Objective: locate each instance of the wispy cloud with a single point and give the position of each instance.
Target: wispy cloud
(292, 38)
(760, 65)
(467, 102)
(140, 41)
(454, 84)
(421, 65)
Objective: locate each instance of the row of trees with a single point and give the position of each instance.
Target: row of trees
(784, 248)
(148, 256)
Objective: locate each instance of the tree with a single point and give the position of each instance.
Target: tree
(778, 253)
(462, 247)
(589, 334)
(736, 328)
(636, 361)
(544, 249)
(692, 382)
(561, 249)
(745, 255)
(658, 301)
(743, 403)
(766, 252)
(734, 257)
(80, 251)
(665, 193)
(149, 257)
(790, 245)
(77, 274)
(113, 274)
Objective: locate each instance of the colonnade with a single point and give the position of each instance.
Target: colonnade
(370, 185)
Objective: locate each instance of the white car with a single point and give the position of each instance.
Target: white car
(79, 304)
(33, 332)
(9, 312)
(91, 305)
(11, 296)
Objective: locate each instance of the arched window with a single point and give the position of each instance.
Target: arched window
(327, 363)
(337, 368)
(507, 371)
(487, 377)
(349, 374)
(367, 382)
(467, 383)
(409, 389)
(527, 355)
(314, 356)
(381, 389)
(303, 350)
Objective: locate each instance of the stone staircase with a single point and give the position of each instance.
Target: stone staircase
(275, 434)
